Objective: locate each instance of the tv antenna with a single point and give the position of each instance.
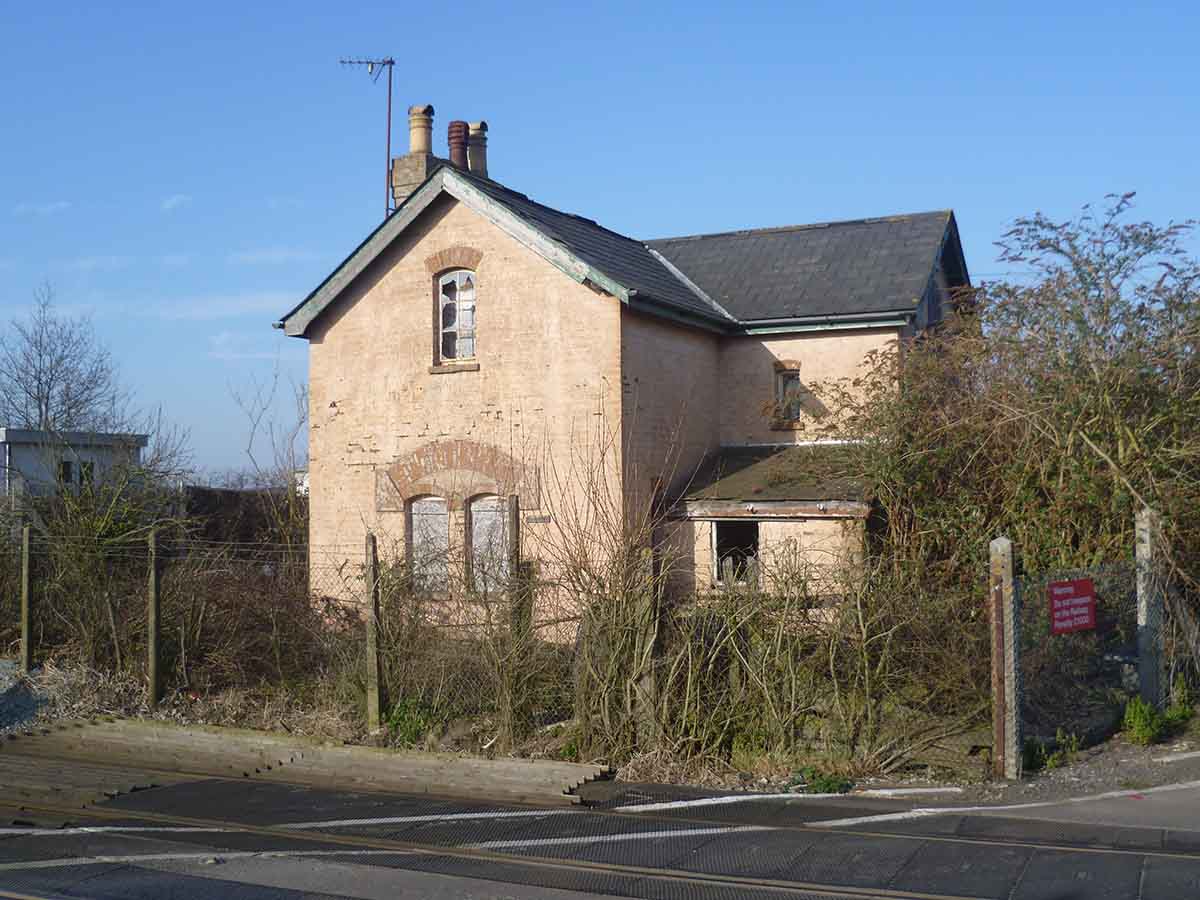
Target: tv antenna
(375, 68)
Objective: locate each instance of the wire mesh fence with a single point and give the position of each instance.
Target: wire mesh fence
(1078, 657)
(460, 667)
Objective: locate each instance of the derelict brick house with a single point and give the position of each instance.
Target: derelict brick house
(479, 344)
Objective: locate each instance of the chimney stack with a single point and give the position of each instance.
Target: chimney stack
(456, 135)
(477, 148)
(420, 129)
(409, 170)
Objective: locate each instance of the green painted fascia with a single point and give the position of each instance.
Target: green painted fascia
(830, 324)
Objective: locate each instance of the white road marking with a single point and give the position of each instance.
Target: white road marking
(444, 817)
(925, 812)
(614, 838)
(220, 855)
(744, 798)
(105, 829)
(905, 792)
(1176, 757)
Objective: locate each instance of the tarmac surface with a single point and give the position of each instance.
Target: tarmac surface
(212, 837)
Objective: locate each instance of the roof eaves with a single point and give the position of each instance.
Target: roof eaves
(674, 313)
(829, 322)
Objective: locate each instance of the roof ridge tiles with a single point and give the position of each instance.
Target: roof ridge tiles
(811, 226)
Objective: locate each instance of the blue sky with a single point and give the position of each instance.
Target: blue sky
(185, 173)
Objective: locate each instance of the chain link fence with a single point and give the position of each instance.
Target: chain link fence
(1078, 650)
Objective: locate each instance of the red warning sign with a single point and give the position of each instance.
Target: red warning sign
(1072, 605)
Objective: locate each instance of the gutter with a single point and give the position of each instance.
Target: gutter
(886, 319)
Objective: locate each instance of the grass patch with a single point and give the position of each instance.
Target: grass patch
(811, 780)
(1039, 757)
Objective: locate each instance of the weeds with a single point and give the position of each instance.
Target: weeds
(811, 780)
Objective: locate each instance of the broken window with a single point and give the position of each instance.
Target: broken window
(456, 313)
(429, 549)
(489, 544)
(792, 394)
(735, 552)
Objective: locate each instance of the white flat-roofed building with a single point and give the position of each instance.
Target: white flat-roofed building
(42, 463)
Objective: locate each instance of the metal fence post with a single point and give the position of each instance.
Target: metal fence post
(374, 700)
(152, 615)
(1148, 535)
(1004, 608)
(26, 610)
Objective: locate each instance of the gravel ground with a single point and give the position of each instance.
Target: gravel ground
(19, 704)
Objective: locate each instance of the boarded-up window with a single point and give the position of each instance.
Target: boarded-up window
(489, 544)
(456, 311)
(430, 548)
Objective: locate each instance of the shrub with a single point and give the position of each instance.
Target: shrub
(1143, 723)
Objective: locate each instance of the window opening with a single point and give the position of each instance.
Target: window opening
(429, 554)
(456, 301)
(489, 544)
(66, 472)
(736, 552)
(791, 396)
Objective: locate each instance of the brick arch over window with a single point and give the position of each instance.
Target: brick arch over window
(457, 256)
(456, 470)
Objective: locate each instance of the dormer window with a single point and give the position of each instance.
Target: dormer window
(456, 315)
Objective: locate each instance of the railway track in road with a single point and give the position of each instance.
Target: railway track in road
(493, 863)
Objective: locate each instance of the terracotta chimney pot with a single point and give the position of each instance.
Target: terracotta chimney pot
(456, 135)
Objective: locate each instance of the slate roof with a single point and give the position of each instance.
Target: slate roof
(622, 258)
(773, 473)
(832, 269)
(838, 270)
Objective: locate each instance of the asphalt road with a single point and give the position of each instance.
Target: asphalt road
(248, 839)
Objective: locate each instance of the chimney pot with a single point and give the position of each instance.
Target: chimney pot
(420, 129)
(477, 148)
(456, 135)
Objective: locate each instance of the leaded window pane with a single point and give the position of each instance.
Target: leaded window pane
(457, 320)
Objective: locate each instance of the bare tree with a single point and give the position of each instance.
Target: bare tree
(56, 375)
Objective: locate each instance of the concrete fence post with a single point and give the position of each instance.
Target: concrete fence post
(26, 608)
(374, 690)
(152, 616)
(1004, 611)
(1150, 602)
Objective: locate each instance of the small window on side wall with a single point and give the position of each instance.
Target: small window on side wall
(789, 395)
(456, 315)
(735, 553)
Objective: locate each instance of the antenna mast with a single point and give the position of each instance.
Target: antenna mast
(375, 68)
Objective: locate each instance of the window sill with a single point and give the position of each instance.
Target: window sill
(447, 368)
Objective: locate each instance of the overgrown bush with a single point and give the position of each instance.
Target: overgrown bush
(1049, 408)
